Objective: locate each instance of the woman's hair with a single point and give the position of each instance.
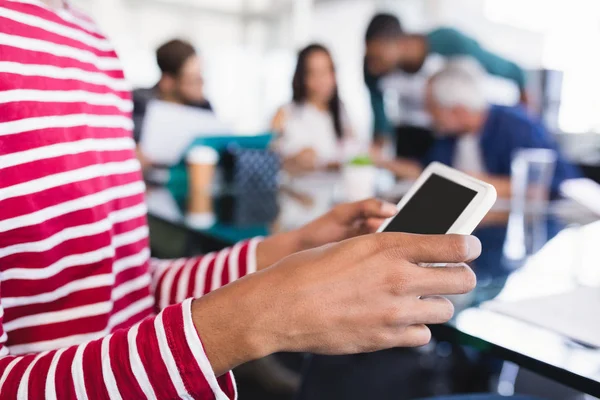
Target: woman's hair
(300, 93)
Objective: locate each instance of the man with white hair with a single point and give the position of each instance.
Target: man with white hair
(476, 136)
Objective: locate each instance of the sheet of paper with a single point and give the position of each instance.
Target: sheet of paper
(574, 314)
(584, 191)
(170, 128)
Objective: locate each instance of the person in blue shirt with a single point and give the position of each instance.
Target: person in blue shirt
(477, 137)
(402, 63)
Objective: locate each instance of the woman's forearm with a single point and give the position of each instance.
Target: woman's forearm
(276, 247)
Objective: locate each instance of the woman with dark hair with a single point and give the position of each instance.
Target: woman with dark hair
(314, 126)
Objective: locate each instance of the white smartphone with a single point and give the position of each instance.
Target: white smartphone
(442, 200)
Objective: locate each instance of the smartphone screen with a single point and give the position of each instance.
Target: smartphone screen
(434, 208)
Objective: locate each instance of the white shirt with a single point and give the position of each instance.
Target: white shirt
(306, 126)
(467, 155)
(408, 91)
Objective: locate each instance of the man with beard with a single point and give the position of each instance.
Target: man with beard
(181, 82)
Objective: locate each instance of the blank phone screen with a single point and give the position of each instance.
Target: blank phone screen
(434, 207)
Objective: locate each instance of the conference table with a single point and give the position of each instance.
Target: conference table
(562, 256)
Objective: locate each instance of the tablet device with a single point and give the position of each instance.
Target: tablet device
(443, 200)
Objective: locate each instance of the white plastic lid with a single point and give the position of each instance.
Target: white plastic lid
(202, 155)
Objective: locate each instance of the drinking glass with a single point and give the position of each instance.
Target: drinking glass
(532, 171)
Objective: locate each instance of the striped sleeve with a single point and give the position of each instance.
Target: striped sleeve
(177, 280)
(160, 358)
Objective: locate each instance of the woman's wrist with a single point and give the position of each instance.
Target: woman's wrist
(279, 246)
(235, 325)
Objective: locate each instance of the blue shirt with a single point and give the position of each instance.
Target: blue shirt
(506, 130)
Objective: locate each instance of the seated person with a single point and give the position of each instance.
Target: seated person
(477, 137)
(181, 82)
(314, 125)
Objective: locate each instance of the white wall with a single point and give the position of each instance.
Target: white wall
(571, 34)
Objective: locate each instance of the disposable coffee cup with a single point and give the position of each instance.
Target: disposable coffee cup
(200, 203)
(201, 163)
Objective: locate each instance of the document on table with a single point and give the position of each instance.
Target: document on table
(584, 191)
(170, 128)
(574, 314)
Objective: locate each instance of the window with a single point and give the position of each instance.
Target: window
(571, 32)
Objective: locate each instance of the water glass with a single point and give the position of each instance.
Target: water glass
(532, 171)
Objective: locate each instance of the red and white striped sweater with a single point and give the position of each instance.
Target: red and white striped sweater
(79, 295)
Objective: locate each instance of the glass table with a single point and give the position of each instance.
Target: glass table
(568, 262)
(564, 256)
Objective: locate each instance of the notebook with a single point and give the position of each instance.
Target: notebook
(584, 191)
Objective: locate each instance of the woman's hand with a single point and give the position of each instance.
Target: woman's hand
(342, 222)
(345, 221)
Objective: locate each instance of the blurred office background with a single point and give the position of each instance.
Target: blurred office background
(249, 48)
